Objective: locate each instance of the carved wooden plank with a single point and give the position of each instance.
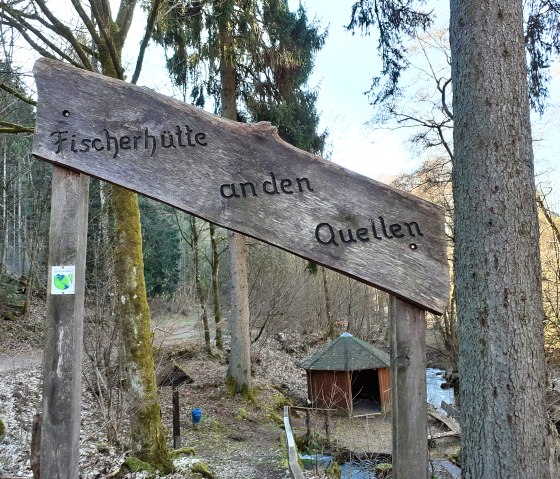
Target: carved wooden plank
(62, 356)
(408, 379)
(450, 422)
(242, 177)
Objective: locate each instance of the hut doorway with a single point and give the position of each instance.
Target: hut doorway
(366, 394)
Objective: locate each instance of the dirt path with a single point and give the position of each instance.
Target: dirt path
(24, 359)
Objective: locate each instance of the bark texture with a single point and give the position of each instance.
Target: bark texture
(239, 369)
(497, 267)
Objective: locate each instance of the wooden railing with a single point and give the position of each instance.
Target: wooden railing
(293, 464)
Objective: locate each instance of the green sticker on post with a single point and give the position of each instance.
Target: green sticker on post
(63, 280)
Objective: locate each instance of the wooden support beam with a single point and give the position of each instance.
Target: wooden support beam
(408, 383)
(176, 419)
(62, 357)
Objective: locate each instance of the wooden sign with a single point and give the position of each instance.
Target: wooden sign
(244, 178)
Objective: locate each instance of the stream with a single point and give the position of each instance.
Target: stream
(435, 394)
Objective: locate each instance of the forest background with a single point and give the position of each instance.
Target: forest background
(185, 268)
(388, 144)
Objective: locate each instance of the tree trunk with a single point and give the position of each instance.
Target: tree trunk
(216, 287)
(133, 314)
(32, 260)
(3, 230)
(132, 309)
(330, 332)
(239, 369)
(497, 268)
(198, 285)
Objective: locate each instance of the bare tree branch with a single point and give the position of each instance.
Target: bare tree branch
(124, 20)
(548, 217)
(103, 19)
(18, 20)
(66, 33)
(147, 35)
(17, 94)
(8, 127)
(442, 88)
(87, 21)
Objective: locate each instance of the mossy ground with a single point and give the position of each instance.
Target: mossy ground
(133, 464)
(203, 469)
(184, 451)
(237, 429)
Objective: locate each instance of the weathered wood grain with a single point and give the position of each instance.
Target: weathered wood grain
(244, 178)
(407, 326)
(62, 356)
(449, 421)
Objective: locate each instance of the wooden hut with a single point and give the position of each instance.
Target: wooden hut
(350, 374)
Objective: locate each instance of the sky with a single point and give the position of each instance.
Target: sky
(343, 71)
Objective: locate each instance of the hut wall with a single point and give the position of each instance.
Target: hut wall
(384, 376)
(330, 389)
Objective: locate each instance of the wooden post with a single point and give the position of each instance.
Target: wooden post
(62, 357)
(176, 418)
(35, 459)
(408, 385)
(328, 427)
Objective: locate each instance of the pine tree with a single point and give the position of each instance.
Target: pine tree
(254, 53)
(497, 264)
(497, 272)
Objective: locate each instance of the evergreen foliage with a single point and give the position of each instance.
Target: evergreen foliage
(395, 20)
(542, 41)
(160, 244)
(273, 58)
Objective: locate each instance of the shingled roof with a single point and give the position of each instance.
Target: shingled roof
(346, 353)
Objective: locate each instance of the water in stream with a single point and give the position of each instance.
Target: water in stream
(357, 470)
(434, 380)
